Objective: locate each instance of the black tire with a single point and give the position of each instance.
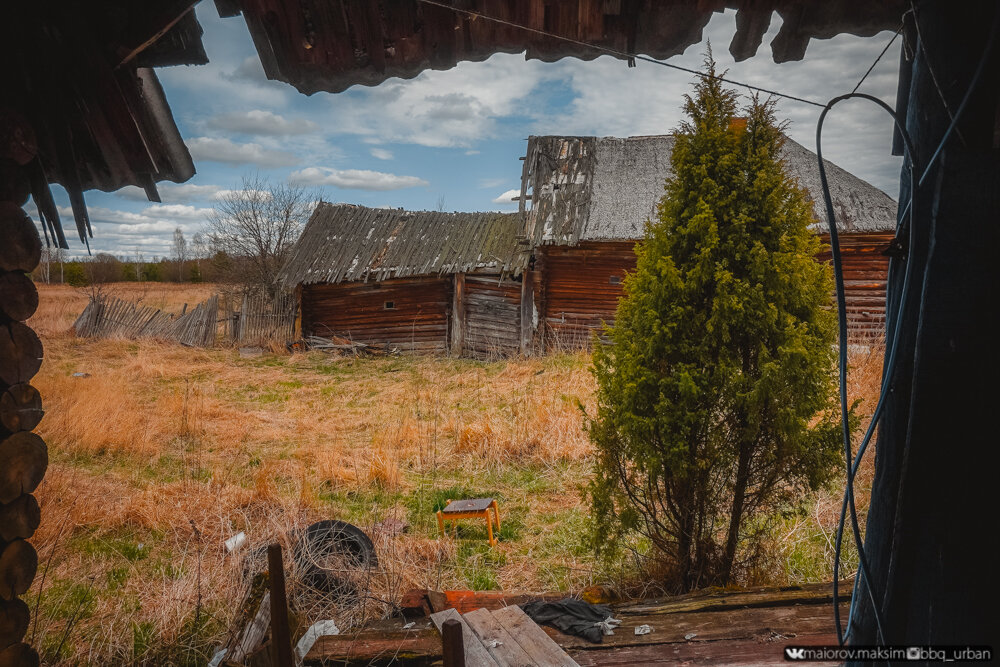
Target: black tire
(339, 539)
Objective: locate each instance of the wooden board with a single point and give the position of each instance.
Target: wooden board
(476, 655)
(538, 645)
(506, 650)
(765, 650)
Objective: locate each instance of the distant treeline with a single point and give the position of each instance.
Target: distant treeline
(107, 268)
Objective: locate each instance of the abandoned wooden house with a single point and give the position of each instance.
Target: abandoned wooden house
(411, 280)
(586, 200)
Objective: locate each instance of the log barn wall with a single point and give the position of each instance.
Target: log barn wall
(581, 286)
(579, 295)
(417, 320)
(866, 270)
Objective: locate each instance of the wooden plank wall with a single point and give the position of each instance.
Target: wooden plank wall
(418, 321)
(577, 289)
(492, 317)
(577, 295)
(865, 272)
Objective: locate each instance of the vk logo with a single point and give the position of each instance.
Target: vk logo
(792, 653)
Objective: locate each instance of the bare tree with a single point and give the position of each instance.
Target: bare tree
(255, 227)
(180, 252)
(199, 247)
(137, 259)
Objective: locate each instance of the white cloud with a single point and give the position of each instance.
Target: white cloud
(449, 108)
(382, 153)
(224, 150)
(356, 179)
(507, 196)
(261, 122)
(177, 211)
(172, 193)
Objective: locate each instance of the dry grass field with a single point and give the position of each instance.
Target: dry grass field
(161, 452)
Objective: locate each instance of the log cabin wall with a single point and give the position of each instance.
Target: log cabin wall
(580, 288)
(409, 314)
(492, 323)
(579, 295)
(866, 270)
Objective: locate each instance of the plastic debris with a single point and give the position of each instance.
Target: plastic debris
(315, 631)
(236, 541)
(691, 635)
(217, 658)
(409, 625)
(493, 643)
(643, 630)
(608, 625)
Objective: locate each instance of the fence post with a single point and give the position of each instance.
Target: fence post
(281, 639)
(452, 644)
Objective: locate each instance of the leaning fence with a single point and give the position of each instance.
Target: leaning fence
(258, 320)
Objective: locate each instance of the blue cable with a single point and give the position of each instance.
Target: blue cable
(888, 371)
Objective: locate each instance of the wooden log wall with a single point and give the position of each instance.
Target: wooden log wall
(23, 455)
(581, 286)
(866, 270)
(492, 323)
(578, 294)
(417, 321)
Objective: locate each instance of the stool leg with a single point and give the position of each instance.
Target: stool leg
(489, 528)
(496, 513)
(440, 523)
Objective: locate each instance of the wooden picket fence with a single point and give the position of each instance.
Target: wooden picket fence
(258, 320)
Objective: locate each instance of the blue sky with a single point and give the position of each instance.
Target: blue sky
(455, 136)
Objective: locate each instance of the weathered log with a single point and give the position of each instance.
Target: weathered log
(20, 353)
(19, 518)
(17, 138)
(21, 408)
(23, 460)
(18, 295)
(19, 655)
(22, 247)
(18, 564)
(14, 183)
(14, 618)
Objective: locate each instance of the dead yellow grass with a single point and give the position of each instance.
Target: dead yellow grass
(160, 452)
(163, 452)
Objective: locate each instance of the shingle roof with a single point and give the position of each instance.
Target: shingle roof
(343, 242)
(605, 188)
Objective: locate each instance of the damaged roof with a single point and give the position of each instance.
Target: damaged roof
(346, 243)
(605, 188)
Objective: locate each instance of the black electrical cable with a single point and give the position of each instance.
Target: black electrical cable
(906, 215)
(879, 58)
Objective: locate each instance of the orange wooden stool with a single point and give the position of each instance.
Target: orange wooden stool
(471, 508)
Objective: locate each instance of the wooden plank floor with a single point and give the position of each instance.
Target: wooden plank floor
(504, 638)
(749, 627)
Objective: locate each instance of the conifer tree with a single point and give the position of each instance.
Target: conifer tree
(714, 391)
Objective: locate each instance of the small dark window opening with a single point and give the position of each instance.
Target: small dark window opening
(614, 280)
(390, 305)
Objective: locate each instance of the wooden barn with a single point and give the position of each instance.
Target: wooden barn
(422, 281)
(585, 202)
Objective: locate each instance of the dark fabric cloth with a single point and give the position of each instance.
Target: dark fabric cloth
(574, 617)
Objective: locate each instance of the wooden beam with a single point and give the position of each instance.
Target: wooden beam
(458, 315)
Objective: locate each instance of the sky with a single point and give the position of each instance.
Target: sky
(451, 139)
